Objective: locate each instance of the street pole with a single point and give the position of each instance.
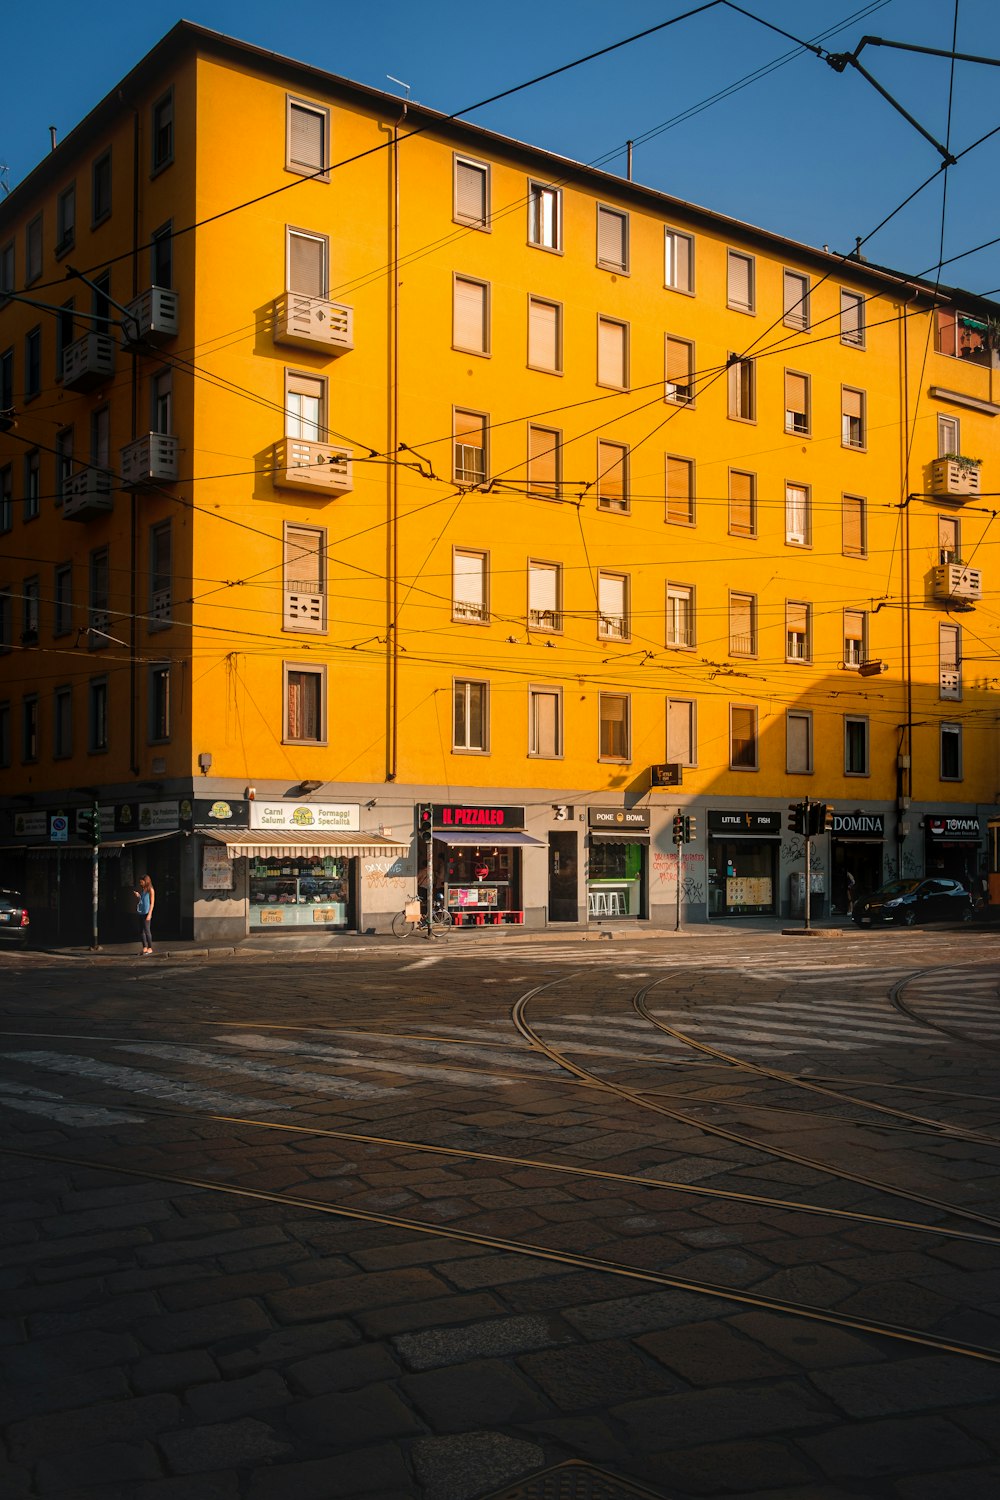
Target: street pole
(808, 808)
(94, 864)
(430, 884)
(680, 875)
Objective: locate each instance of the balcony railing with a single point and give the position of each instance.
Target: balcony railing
(151, 459)
(88, 362)
(87, 493)
(313, 323)
(316, 467)
(741, 645)
(151, 318)
(467, 609)
(544, 619)
(956, 581)
(613, 627)
(952, 480)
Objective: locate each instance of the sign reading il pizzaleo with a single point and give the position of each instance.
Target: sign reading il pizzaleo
(315, 817)
(452, 815)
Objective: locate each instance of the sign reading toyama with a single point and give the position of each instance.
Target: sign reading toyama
(314, 817)
(966, 830)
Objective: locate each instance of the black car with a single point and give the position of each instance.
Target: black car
(14, 920)
(912, 901)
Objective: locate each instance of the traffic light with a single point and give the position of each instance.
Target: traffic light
(89, 824)
(425, 817)
(797, 814)
(678, 829)
(820, 818)
(690, 828)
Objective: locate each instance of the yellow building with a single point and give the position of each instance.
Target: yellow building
(358, 461)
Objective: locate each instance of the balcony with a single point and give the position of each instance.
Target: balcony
(954, 582)
(313, 467)
(150, 460)
(953, 479)
(151, 318)
(88, 362)
(87, 494)
(313, 323)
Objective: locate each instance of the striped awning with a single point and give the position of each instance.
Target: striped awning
(274, 843)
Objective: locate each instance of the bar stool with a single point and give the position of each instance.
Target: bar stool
(598, 902)
(616, 904)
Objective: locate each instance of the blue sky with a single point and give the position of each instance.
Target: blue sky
(804, 151)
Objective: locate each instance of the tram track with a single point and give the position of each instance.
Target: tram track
(896, 996)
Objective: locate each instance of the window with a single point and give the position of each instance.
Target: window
(742, 503)
(742, 389)
(544, 216)
(854, 428)
(742, 737)
(469, 597)
(949, 435)
(680, 490)
(159, 703)
(472, 193)
(740, 281)
(32, 363)
(612, 353)
(612, 239)
(307, 261)
(742, 624)
(544, 596)
(66, 219)
(305, 406)
(855, 746)
(162, 132)
(65, 334)
(32, 484)
(4, 735)
(470, 315)
(962, 335)
(679, 362)
(852, 318)
(855, 637)
(951, 752)
(64, 463)
(949, 539)
(304, 579)
(29, 728)
(33, 250)
(7, 269)
(7, 381)
(29, 611)
(612, 476)
(100, 438)
(798, 743)
(678, 260)
(614, 710)
(798, 645)
(949, 661)
(161, 401)
(470, 716)
(307, 144)
(470, 447)
(161, 256)
(6, 497)
(544, 335)
(6, 620)
(305, 704)
(62, 620)
(612, 607)
(798, 515)
(795, 294)
(160, 575)
(680, 615)
(545, 722)
(544, 462)
(97, 714)
(855, 526)
(682, 736)
(62, 723)
(100, 189)
(97, 598)
(797, 419)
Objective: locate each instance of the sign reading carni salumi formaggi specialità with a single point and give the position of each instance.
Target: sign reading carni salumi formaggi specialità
(319, 817)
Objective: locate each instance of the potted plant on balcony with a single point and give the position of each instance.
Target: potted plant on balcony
(955, 474)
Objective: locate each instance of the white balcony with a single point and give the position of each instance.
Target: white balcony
(954, 581)
(315, 467)
(159, 607)
(313, 323)
(951, 480)
(151, 318)
(86, 494)
(88, 362)
(151, 459)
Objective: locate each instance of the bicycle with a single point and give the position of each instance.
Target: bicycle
(404, 922)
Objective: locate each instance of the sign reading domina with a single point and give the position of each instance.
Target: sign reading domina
(858, 825)
(306, 817)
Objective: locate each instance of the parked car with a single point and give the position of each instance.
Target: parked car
(913, 901)
(14, 919)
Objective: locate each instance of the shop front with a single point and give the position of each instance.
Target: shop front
(856, 843)
(952, 847)
(476, 862)
(618, 861)
(744, 849)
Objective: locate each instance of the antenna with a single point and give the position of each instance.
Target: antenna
(402, 85)
(4, 178)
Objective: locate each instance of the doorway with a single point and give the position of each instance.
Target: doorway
(563, 876)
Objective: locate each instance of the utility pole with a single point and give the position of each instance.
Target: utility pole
(679, 841)
(95, 854)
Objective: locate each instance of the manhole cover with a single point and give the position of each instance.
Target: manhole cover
(575, 1481)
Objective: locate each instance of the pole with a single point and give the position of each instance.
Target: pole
(808, 809)
(680, 873)
(430, 884)
(94, 882)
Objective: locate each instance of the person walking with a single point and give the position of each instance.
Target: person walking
(145, 901)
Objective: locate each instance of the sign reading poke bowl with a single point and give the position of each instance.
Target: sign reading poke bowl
(312, 817)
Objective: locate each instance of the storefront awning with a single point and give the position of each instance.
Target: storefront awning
(274, 843)
(485, 838)
(620, 836)
(107, 849)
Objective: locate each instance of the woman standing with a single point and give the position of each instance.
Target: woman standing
(145, 901)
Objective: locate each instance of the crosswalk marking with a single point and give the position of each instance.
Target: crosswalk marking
(32, 1101)
(138, 1081)
(315, 1083)
(375, 1062)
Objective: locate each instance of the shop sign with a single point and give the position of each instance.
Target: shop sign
(146, 817)
(451, 815)
(858, 825)
(964, 829)
(31, 825)
(744, 822)
(220, 810)
(618, 817)
(325, 817)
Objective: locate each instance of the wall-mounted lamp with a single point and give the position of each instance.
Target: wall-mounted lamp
(872, 668)
(372, 802)
(305, 787)
(205, 762)
(250, 793)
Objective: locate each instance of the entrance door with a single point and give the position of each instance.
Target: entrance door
(563, 866)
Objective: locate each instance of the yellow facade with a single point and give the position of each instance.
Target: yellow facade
(719, 572)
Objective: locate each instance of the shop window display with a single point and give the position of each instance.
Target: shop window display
(311, 892)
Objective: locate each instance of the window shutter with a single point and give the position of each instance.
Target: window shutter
(543, 334)
(542, 589)
(680, 740)
(798, 742)
(680, 376)
(611, 238)
(740, 281)
(611, 352)
(470, 192)
(469, 429)
(611, 596)
(796, 504)
(679, 261)
(470, 315)
(854, 539)
(850, 317)
(795, 392)
(741, 503)
(796, 305)
(469, 579)
(306, 131)
(543, 467)
(611, 474)
(546, 707)
(680, 489)
(306, 265)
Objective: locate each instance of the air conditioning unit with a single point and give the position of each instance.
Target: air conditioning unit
(957, 581)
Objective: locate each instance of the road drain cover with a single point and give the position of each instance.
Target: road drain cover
(575, 1481)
